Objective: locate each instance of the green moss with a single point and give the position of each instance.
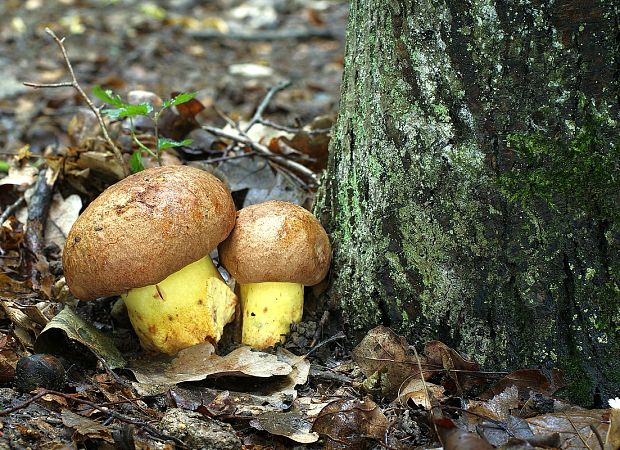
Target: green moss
(580, 385)
(581, 172)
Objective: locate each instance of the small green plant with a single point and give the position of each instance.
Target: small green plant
(121, 110)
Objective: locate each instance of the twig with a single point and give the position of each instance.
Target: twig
(259, 148)
(258, 114)
(37, 216)
(265, 35)
(277, 126)
(335, 337)
(75, 85)
(10, 209)
(583, 440)
(227, 158)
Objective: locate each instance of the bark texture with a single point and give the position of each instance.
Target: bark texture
(472, 187)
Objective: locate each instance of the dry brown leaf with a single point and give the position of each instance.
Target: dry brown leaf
(462, 373)
(86, 428)
(8, 357)
(415, 391)
(454, 438)
(383, 351)
(292, 424)
(200, 361)
(21, 176)
(349, 424)
(525, 380)
(574, 425)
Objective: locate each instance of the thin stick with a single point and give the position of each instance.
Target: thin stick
(277, 126)
(37, 217)
(259, 148)
(75, 85)
(10, 209)
(266, 35)
(258, 114)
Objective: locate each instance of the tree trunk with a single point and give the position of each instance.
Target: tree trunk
(472, 187)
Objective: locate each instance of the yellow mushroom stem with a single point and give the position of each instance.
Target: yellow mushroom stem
(268, 310)
(188, 307)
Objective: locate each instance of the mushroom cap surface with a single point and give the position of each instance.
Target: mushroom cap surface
(276, 241)
(144, 228)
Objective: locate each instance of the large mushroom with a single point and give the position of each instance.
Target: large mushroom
(274, 250)
(148, 238)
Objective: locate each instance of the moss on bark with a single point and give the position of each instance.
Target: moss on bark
(424, 195)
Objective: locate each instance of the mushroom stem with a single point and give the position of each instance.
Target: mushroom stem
(268, 310)
(188, 307)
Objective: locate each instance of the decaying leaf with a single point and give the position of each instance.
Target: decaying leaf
(80, 331)
(526, 381)
(292, 424)
(8, 357)
(63, 212)
(417, 392)
(454, 438)
(21, 176)
(12, 288)
(260, 180)
(86, 428)
(200, 361)
(464, 374)
(575, 426)
(383, 352)
(350, 424)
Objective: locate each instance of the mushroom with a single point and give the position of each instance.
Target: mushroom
(148, 238)
(274, 250)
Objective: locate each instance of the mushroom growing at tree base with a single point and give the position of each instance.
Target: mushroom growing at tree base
(148, 238)
(275, 249)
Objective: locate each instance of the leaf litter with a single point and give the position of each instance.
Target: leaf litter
(380, 394)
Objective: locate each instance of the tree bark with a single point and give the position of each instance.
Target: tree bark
(472, 186)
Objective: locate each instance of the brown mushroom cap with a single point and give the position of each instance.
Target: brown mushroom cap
(144, 228)
(276, 241)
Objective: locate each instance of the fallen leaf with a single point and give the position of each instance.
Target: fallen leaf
(462, 373)
(384, 352)
(526, 381)
(292, 424)
(349, 424)
(415, 391)
(86, 428)
(76, 329)
(21, 176)
(454, 438)
(8, 357)
(62, 214)
(200, 361)
(613, 435)
(575, 426)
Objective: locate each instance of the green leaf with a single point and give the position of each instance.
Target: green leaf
(164, 143)
(4, 166)
(135, 162)
(141, 109)
(108, 96)
(179, 99)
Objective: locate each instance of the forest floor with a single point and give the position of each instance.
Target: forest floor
(267, 73)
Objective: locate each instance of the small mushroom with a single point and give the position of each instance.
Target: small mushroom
(148, 238)
(274, 250)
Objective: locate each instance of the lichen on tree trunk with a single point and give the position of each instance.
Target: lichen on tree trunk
(472, 187)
